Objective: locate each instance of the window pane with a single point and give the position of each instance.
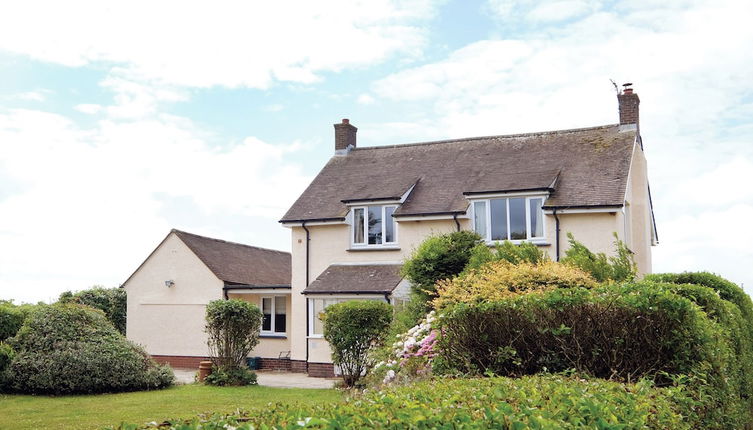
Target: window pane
(499, 218)
(358, 225)
(375, 225)
(318, 309)
(266, 309)
(389, 224)
(537, 221)
(517, 218)
(280, 314)
(479, 218)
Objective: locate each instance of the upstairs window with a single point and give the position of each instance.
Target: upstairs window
(511, 218)
(374, 226)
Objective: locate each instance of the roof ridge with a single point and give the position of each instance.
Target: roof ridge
(175, 230)
(466, 139)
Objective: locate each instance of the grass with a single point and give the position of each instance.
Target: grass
(97, 411)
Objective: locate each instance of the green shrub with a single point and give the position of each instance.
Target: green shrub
(233, 328)
(618, 268)
(352, 329)
(500, 279)
(72, 349)
(438, 257)
(534, 402)
(11, 319)
(6, 356)
(111, 301)
(230, 377)
(525, 252)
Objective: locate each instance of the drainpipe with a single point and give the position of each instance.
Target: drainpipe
(457, 223)
(308, 238)
(556, 234)
(387, 298)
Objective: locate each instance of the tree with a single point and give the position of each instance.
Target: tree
(352, 329)
(618, 268)
(233, 329)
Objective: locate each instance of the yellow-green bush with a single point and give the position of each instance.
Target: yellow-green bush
(501, 279)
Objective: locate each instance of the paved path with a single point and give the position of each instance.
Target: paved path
(269, 379)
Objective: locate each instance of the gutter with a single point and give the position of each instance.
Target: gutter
(556, 234)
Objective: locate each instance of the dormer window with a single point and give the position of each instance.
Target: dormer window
(510, 218)
(374, 226)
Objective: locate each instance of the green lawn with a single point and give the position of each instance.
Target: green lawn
(96, 411)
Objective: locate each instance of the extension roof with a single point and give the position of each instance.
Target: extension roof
(356, 279)
(581, 168)
(236, 263)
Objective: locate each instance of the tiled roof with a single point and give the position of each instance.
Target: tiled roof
(356, 279)
(237, 263)
(585, 167)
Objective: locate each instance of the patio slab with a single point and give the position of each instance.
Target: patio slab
(268, 378)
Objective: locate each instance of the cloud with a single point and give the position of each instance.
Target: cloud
(228, 43)
(99, 207)
(365, 99)
(88, 108)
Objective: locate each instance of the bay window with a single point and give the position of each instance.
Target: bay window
(275, 316)
(374, 226)
(317, 307)
(509, 218)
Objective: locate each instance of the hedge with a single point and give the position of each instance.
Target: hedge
(670, 334)
(73, 349)
(536, 402)
(111, 301)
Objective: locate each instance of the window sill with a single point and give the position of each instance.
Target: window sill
(538, 242)
(315, 336)
(272, 336)
(374, 248)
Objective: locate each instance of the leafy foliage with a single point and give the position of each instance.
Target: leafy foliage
(230, 377)
(233, 329)
(438, 257)
(72, 349)
(352, 329)
(618, 268)
(111, 301)
(500, 279)
(11, 319)
(525, 252)
(533, 402)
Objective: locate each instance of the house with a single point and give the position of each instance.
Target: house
(370, 207)
(169, 291)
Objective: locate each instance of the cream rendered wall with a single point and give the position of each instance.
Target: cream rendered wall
(591, 229)
(269, 347)
(170, 321)
(329, 245)
(640, 212)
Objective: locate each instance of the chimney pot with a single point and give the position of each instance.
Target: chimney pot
(345, 137)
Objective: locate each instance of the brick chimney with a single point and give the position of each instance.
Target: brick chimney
(345, 137)
(628, 102)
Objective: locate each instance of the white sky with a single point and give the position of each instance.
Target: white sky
(119, 121)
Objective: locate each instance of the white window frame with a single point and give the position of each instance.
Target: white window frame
(338, 299)
(365, 243)
(271, 331)
(487, 206)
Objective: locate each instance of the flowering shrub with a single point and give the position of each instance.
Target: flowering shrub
(412, 354)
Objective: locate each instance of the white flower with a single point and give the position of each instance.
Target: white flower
(304, 421)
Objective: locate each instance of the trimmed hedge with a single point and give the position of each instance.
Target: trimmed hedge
(11, 319)
(73, 349)
(535, 402)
